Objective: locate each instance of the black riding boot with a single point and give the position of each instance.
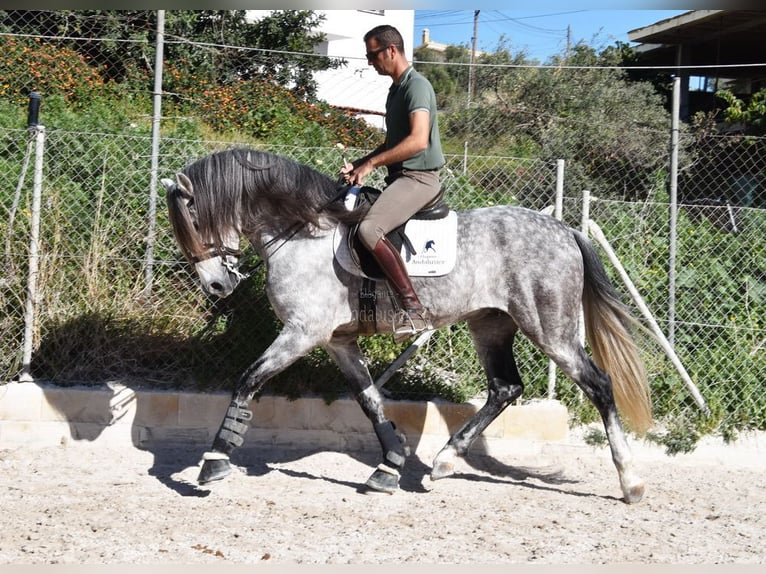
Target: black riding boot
(413, 317)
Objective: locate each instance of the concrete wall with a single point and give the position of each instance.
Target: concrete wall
(36, 415)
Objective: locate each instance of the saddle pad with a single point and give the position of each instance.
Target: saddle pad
(435, 243)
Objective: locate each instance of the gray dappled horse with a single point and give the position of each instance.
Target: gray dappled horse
(517, 270)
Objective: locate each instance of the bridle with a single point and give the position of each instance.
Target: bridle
(212, 251)
(223, 253)
(235, 268)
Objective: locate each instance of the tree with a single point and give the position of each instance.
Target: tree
(112, 40)
(219, 45)
(752, 114)
(287, 33)
(278, 47)
(448, 74)
(579, 111)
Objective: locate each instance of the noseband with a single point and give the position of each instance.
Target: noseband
(212, 251)
(234, 268)
(223, 253)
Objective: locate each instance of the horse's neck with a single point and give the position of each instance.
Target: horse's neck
(271, 241)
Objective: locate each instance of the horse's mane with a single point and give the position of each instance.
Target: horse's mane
(251, 190)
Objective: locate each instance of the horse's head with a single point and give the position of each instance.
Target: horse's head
(214, 254)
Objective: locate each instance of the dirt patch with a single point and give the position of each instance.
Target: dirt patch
(84, 503)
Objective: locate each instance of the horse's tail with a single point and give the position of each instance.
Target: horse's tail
(614, 350)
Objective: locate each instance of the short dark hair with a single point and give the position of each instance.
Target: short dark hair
(386, 35)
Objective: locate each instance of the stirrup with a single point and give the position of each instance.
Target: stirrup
(410, 322)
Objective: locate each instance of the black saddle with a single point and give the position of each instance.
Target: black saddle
(435, 209)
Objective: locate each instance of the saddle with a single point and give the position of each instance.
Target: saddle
(435, 210)
(433, 229)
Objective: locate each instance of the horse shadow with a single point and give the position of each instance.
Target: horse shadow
(116, 415)
(118, 409)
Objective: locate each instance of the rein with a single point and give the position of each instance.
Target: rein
(235, 269)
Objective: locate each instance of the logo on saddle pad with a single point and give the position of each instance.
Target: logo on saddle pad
(429, 251)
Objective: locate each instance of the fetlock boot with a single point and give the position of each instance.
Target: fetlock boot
(413, 317)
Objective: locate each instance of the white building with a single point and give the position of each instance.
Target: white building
(357, 85)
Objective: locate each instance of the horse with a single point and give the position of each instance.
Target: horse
(517, 271)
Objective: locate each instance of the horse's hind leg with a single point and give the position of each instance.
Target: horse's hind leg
(351, 362)
(493, 336)
(597, 386)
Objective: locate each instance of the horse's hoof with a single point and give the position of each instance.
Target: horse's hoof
(632, 487)
(442, 470)
(427, 483)
(384, 479)
(212, 470)
(634, 494)
(443, 464)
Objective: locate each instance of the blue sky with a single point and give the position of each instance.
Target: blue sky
(540, 33)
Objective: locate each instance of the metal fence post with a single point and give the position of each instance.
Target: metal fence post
(152, 215)
(584, 222)
(558, 213)
(38, 131)
(673, 209)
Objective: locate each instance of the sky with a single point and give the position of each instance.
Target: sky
(541, 33)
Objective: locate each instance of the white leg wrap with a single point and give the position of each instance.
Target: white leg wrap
(388, 469)
(215, 456)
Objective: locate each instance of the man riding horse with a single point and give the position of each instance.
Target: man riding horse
(413, 155)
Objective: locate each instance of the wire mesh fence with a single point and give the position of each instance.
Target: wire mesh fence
(109, 308)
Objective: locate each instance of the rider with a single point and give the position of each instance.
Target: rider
(413, 155)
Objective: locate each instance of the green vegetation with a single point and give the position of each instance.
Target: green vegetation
(99, 323)
(751, 114)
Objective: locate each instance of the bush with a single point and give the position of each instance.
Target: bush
(49, 69)
(274, 115)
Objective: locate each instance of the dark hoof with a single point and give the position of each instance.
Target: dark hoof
(384, 479)
(212, 470)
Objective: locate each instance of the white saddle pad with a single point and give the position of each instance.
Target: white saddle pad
(435, 244)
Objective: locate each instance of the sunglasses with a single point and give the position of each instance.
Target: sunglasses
(372, 53)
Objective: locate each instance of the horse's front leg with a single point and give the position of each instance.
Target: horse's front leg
(352, 364)
(291, 344)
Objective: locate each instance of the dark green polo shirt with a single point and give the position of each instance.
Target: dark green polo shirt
(412, 92)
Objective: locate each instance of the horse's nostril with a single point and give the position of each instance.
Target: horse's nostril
(216, 287)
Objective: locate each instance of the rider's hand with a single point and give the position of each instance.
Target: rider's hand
(346, 172)
(355, 175)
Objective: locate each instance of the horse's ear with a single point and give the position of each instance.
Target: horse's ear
(169, 184)
(185, 185)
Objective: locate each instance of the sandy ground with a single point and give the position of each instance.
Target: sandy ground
(85, 504)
